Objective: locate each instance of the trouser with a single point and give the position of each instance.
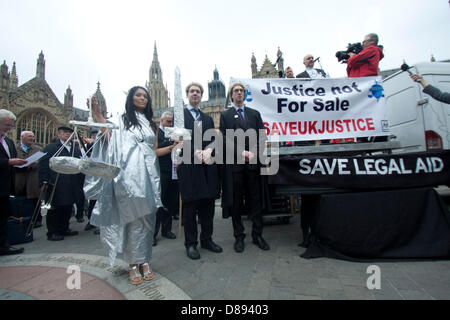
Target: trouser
(58, 219)
(163, 221)
(170, 201)
(308, 206)
(80, 208)
(205, 210)
(4, 214)
(91, 208)
(246, 183)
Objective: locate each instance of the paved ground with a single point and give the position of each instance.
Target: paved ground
(279, 274)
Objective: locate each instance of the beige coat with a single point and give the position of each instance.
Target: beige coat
(27, 179)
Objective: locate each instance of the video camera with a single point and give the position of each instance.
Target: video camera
(343, 56)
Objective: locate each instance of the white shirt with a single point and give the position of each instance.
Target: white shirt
(196, 120)
(5, 145)
(314, 74)
(191, 109)
(66, 146)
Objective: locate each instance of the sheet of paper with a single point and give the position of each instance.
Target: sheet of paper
(32, 159)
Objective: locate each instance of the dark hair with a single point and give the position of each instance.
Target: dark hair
(129, 117)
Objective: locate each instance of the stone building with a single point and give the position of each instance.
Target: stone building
(268, 69)
(35, 105)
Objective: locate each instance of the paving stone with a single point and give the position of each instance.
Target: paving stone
(303, 297)
(253, 274)
(329, 283)
(358, 293)
(415, 295)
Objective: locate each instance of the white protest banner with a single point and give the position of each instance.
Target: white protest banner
(317, 109)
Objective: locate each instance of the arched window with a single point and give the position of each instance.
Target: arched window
(43, 127)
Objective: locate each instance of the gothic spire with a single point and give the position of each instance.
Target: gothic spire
(40, 69)
(14, 80)
(101, 100)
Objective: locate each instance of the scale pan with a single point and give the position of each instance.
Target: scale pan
(98, 169)
(65, 165)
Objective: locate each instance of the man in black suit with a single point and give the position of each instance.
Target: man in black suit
(8, 159)
(241, 182)
(198, 180)
(169, 186)
(310, 71)
(67, 189)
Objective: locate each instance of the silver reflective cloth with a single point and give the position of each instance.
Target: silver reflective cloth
(65, 165)
(98, 169)
(127, 204)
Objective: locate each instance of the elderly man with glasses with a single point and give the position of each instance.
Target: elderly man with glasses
(8, 159)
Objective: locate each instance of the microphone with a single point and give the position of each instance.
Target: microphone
(316, 59)
(405, 67)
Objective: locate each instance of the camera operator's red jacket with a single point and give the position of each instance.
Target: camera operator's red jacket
(365, 63)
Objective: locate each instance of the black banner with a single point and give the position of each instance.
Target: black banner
(368, 172)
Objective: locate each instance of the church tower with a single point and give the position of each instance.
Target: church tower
(155, 85)
(14, 81)
(68, 99)
(40, 69)
(254, 66)
(101, 101)
(216, 88)
(4, 85)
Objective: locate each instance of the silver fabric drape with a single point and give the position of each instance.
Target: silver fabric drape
(126, 205)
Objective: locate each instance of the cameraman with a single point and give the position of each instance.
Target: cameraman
(365, 63)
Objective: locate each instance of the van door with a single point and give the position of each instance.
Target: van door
(406, 119)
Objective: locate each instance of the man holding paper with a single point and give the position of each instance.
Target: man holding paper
(27, 178)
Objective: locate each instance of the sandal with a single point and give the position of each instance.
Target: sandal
(147, 272)
(136, 278)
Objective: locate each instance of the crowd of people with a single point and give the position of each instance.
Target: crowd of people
(129, 211)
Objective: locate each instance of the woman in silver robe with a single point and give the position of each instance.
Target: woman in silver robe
(126, 206)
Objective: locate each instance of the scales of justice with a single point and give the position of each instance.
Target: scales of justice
(87, 165)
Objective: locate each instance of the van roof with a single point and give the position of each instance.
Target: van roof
(433, 68)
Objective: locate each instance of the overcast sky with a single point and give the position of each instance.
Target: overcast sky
(112, 41)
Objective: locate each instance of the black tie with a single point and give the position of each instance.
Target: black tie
(241, 117)
(197, 114)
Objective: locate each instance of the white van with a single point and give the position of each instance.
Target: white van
(416, 120)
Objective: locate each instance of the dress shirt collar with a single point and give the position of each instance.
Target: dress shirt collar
(24, 147)
(67, 145)
(237, 108)
(194, 114)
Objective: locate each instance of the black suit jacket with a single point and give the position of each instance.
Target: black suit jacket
(229, 120)
(69, 188)
(305, 74)
(165, 162)
(7, 172)
(197, 181)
